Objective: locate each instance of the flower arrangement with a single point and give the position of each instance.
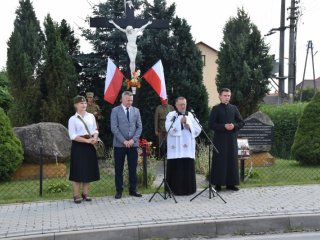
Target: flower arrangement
(144, 143)
(135, 80)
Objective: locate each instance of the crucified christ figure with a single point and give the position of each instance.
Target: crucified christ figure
(132, 34)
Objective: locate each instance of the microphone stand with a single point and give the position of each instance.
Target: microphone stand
(212, 191)
(167, 190)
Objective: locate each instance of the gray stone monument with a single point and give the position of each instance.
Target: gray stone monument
(258, 130)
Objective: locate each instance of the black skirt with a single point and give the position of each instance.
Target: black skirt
(181, 176)
(84, 163)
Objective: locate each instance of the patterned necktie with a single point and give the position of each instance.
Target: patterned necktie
(127, 113)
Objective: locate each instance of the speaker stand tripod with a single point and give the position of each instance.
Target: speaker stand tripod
(167, 190)
(211, 189)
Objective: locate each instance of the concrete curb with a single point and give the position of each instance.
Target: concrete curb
(209, 228)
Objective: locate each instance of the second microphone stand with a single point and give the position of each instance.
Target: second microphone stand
(212, 191)
(167, 190)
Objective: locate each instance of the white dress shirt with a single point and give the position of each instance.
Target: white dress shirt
(125, 109)
(77, 128)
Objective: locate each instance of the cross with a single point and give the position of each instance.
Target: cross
(131, 26)
(129, 20)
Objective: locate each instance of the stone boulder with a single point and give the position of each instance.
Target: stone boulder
(53, 137)
(264, 118)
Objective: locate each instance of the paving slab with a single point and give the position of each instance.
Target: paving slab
(248, 210)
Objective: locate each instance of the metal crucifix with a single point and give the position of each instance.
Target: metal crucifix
(132, 27)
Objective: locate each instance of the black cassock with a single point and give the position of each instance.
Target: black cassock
(225, 169)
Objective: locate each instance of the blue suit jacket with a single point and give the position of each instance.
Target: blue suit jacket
(122, 129)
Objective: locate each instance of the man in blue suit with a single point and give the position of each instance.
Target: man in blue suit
(126, 127)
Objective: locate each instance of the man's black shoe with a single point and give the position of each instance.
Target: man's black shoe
(118, 195)
(233, 188)
(135, 194)
(218, 188)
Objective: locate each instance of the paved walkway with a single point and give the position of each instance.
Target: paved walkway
(250, 210)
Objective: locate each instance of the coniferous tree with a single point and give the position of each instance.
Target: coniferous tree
(67, 36)
(11, 152)
(174, 46)
(182, 64)
(244, 65)
(58, 76)
(5, 97)
(305, 148)
(24, 54)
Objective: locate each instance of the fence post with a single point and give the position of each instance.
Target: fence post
(41, 172)
(144, 165)
(242, 169)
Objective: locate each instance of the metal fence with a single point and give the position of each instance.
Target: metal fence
(263, 169)
(50, 181)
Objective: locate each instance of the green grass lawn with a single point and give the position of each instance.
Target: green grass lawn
(56, 188)
(282, 172)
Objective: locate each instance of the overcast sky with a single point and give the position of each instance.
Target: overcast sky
(206, 18)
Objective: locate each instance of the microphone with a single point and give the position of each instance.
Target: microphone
(173, 118)
(192, 111)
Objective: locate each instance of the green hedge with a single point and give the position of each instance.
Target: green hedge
(285, 118)
(307, 94)
(306, 146)
(11, 153)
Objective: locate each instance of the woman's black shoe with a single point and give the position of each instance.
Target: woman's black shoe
(85, 197)
(77, 199)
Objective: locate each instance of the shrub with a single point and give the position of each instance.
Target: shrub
(307, 94)
(306, 146)
(11, 153)
(285, 118)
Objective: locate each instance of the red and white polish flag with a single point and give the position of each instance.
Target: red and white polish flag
(155, 77)
(113, 82)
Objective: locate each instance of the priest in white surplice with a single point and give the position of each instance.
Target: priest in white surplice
(181, 146)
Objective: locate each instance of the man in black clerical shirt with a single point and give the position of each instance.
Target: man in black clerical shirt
(225, 120)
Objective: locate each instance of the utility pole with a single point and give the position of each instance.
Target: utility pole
(292, 50)
(281, 78)
(310, 46)
(282, 28)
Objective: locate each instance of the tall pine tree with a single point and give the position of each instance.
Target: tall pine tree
(58, 76)
(67, 36)
(24, 54)
(244, 65)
